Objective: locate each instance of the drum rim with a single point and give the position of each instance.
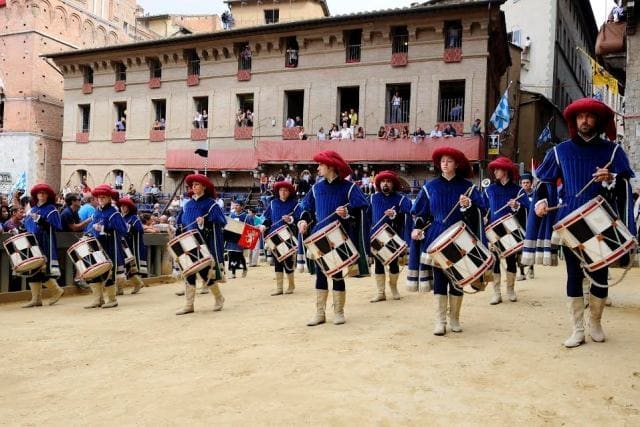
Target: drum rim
(197, 264)
(384, 226)
(268, 236)
(395, 255)
(21, 235)
(615, 255)
(484, 267)
(39, 258)
(499, 221)
(93, 267)
(83, 240)
(579, 212)
(316, 235)
(439, 248)
(181, 236)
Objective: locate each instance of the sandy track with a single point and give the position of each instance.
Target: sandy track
(257, 363)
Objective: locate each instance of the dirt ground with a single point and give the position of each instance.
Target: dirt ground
(256, 362)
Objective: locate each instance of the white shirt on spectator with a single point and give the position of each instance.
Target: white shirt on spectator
(345, 133)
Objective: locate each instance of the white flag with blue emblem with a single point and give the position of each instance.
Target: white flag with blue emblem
(501, 117)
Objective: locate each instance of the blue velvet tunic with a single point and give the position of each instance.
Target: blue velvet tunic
(114, 230)
(574, 161)
(497, 195)
(402, 224)
(134, 239)
(215, 220)
(44, 231)
(321, 203)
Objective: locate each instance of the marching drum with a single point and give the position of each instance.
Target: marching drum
(245, 235)
(506, 235)
(386, 245)
(89, 258)
(595, 234)
(191, 252)
(281, 243)
(331, 248)
(461, 256)
(24, 253)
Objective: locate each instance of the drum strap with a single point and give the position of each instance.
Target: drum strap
(600, 285)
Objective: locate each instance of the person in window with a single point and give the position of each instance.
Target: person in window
(302, 135)
(240, 119)
(345, 132)
(335, 132)
(321, 135)
(292, 57)
(249, 117)
(404, 133)
(475, 127)
(205, 119)
(456, 113)
(382, 133)
(449, 131)
(393, 133)
(197, 119)
(453, 37)
(290, 122)
(436, 132)
(360, 133)
(617, 13)
(156, 125)
(298, 121)
(396, 108)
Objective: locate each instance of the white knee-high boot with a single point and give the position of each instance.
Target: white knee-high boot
(576, 311)
(596, 307)
(440, 327)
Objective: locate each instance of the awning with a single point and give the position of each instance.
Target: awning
(302, 151)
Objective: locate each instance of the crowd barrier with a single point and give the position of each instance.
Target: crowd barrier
(156, 249)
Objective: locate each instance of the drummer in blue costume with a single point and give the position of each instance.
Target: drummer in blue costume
(578, 160)
(503, 191)
(330, 199)
(281, 210)
(134, 239)
(389, 206)
(527, 193)
(43, 221)
(108, 227)
(454, 193)
(202, 213)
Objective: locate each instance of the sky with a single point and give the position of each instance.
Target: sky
(336, 7)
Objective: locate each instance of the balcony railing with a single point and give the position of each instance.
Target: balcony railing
(155, 82)
(245, 132)
(87, 88)
(452, 54)
(82, 137)
(291, 133)
(199, 134)
(244, 75)
(399, 59)
(118, 136)
(353, 53)
(193, 79)
(451, 110)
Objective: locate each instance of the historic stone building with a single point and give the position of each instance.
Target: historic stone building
(31, 87)
(251, 13)
(412, 67)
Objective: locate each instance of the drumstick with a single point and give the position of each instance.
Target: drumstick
(289, 214)
(204, 216)
(466, 194)
(332, 214)
(592, 180)
(553, 208)
(506, 205)
(381, 219)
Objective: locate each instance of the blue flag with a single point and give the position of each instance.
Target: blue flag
(545, 136)
(502, 116)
